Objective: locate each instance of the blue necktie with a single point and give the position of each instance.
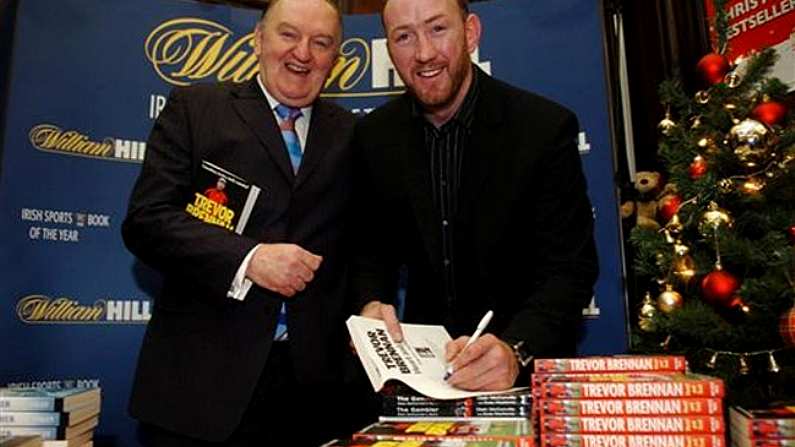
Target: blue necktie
(288, 116)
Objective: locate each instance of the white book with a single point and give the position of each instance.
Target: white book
(418, 361)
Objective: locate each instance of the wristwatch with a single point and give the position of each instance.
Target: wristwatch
(521, 354)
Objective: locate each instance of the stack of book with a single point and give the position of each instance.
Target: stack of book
(20, 441)
(402, 403)
(771, 427)
(475, 432)
(61, 417)
(626, 401)
(419, 408)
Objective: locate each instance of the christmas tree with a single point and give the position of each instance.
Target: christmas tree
(721, 265)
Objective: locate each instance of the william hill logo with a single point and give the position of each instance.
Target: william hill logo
(185, 50)
(51, 138)
(41, 309)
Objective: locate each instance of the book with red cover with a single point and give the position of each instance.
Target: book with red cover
(631, 424)
(519, 432)
(351, 442)
(630, 407)
(625, 385)
(777, 422)
(617, 363)
(631, 440)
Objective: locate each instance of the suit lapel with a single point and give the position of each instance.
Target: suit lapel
(482, 151)
(319, 141)
(251, 105)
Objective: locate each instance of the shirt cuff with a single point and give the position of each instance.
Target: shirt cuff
(240, 284)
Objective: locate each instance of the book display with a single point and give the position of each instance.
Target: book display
(64, 417)
(401, 402)
(626, 401)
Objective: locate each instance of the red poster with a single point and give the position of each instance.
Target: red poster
(756, 24)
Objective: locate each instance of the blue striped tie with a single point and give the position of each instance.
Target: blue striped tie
(288, 116)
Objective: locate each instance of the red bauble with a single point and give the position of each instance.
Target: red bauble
(713, 67)
(791, 233)
(697, 168)
(718, 287)
(769, 112)
(786, 327)
(669, 205)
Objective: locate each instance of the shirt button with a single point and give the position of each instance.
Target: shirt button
(444, 223)
(446, 262)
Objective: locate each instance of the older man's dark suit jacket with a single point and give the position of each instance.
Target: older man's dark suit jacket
(523, 232)
(203, 352)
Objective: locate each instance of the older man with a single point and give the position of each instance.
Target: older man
(247, 336)
(476, 187)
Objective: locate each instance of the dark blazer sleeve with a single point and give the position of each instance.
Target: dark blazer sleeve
(157, 229)
(374, 263)
(564, 264)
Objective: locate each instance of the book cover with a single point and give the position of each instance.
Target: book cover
(631, 440)
(778, 422)
(618, 363)
(80, 440)
(630, 407)
(223, 198)
(458, 411)
(20, 441)
(42, 399)
(519, 431)
(351, 442)
(394, 394)
(625, 385)
(741, 441)
(49, 432)
(632, 424)
(383, 418)
(418, 361)
(53, 418)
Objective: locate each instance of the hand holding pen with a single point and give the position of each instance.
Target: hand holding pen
(482, 363)
(478, 331)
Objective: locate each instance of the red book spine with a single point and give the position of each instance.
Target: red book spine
(630, 407)
(631, 440)
(631, 390)
(656, 363)
(631, 424)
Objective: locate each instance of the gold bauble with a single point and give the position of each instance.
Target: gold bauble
(667, 125)
(751, 142)
(647, 314)
(684, 268)
(713, 219)
(670, 300)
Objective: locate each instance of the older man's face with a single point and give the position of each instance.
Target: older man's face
(297, 44)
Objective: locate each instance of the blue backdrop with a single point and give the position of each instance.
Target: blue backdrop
(86, 81)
